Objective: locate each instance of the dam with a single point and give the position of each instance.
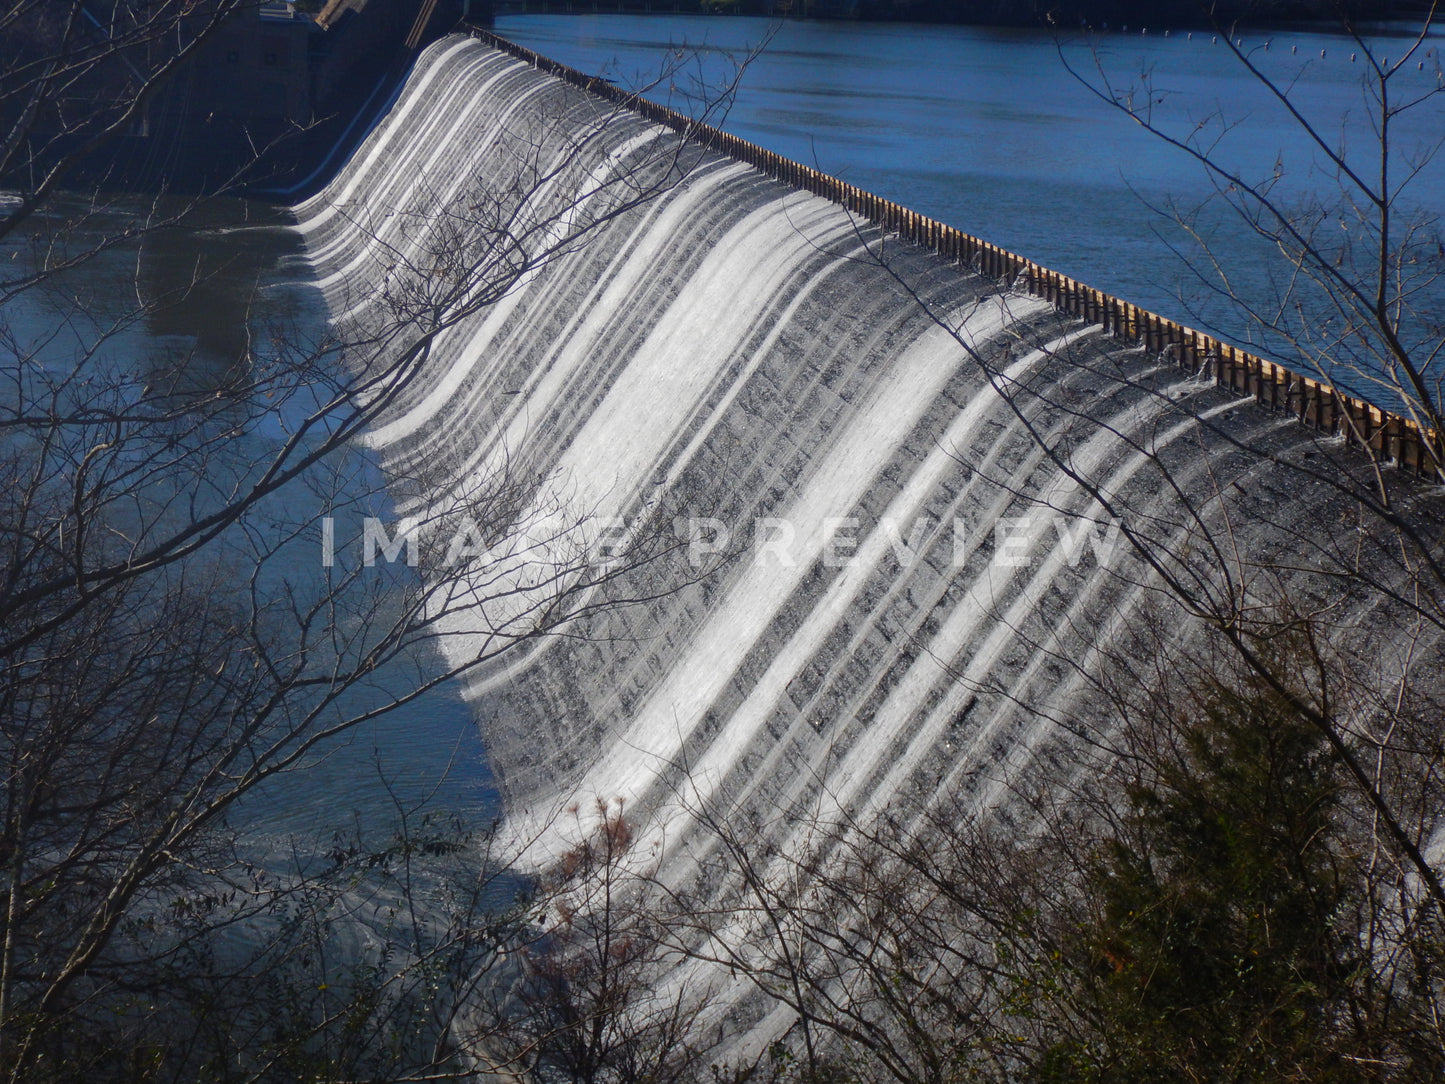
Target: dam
(845, 515)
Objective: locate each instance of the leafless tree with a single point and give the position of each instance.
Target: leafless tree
(1353, 297)
(1205, 508)
(172, 636)
(1255, 598)
(1352, 291)
(949, 942)
(591, 1004)
(937, 941)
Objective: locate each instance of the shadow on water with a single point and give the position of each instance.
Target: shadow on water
(201, 281)
(178, 301)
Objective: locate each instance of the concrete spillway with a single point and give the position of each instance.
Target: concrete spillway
(871, 483)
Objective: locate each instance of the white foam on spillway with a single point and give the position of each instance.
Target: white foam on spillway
(630, 330)
(654, 737)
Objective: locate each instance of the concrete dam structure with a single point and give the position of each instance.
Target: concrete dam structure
(882, 514)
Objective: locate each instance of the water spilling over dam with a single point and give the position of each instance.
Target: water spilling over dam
(891, 512)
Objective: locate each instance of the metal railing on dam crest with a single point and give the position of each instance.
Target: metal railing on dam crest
(1315, 403)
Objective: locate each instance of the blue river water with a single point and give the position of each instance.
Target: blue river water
(991, 131)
